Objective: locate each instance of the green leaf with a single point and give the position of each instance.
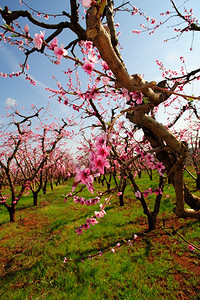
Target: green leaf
(146, 100)
(14, 35)
(7, 26)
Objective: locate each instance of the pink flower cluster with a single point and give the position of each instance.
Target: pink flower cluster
(89, 221)
(149, 159)
(58, 51)
(38, 40)
(3, 199)
(149, 191)
(100, 214)
(84, 176)
(93, 219)
(133, 97)
(92, 57)
(88, 67)
(26, 28)
(97, 163)
(166, 73)
(87, 202)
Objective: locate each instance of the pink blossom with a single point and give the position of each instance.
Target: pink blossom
(92, 221)
(60, 52)
(118, 245)
(99, 163)
(137, 96)
(100, 214)
(158, 191)
(149, 157)
(38, 40)
(191, 248)
(26, 28)
(88, 67)
(66, 102)
(138, 150)
(86, 3)
(126, 94)
(53, 44)
(105, 66)
(79, 230)
(83, 175)
(100, 140)
(153, 21)
(138, 194)
(105, 80)
(159, 166)
(103, 151)
(85, 226)
(92, 58)
(146, 194)
(150, 190)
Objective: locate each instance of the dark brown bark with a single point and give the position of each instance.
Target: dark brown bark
(198, 182)
(35, 198)
(12, 211)
(191, 200)
(152, 218)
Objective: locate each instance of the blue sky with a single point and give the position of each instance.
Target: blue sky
(138, 51)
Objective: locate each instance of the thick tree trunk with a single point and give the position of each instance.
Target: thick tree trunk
(198, 182)
(121, 199)
(108, 185)
(152, 218)
(150, 173)
(190, 199)
(179, 190)
(12, 214)
(44, 188)
(51, 184)
(172, 151)
(35, 198)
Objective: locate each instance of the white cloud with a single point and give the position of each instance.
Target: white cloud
(11, 102)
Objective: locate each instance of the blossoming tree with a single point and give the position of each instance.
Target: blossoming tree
(135, 99)
(41, 148)
(11, 142)
(25, 154)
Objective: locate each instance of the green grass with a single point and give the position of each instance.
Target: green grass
(157, 265)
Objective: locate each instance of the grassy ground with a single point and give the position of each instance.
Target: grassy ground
(156, 265)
